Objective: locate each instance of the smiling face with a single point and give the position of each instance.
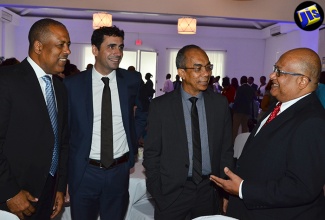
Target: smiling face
(110, 54)
(51, 53)
(286, 87)
(194, 82)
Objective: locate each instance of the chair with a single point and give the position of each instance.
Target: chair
(7, 216)
(143, 210)
(239, 143)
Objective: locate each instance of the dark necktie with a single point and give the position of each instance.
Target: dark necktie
(197, 154)
(51, 108)
(274, 113)
(106, 154)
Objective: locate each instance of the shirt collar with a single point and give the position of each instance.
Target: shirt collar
(37, 69)
(98, 76)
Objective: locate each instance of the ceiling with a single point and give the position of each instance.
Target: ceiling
(160, 18)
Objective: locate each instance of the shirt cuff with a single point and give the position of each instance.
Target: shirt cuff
(240, 190)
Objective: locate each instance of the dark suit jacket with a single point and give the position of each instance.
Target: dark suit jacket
(26, 135)
(166, 156)
(283, 166)
(80, 100)
(244, 99)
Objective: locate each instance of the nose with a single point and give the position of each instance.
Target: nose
(272, 75)
(67, 50)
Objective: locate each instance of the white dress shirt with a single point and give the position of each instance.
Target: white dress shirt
(120, 144)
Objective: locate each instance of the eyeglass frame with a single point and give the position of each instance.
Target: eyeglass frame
(198, 67)
(277, 72)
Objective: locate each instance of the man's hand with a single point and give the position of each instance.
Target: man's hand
(58, 203)
(232, 185)
(20, 204)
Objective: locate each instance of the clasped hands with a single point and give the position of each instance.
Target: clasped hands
(231, 185)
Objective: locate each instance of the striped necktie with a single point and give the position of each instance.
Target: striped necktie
(51, 108)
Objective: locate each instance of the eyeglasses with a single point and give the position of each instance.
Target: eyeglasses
(278, 72)
(198, 67)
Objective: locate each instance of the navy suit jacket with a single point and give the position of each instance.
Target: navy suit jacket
(26, 134)
(166, 156)
(80, 100)
(283, 166)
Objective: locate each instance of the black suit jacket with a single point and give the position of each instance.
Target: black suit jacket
(166, 156)
(283, 166)
(26, 135)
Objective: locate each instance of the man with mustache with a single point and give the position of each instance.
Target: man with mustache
(180, 150)
(280, 173)
(34, 126)
(104, 130)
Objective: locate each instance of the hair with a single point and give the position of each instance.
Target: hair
(243, 79)
(234, 82)
(225, 81)
(148, 75)
(177, 77)
(10, 61)
(131, 68)
(97, 37)
(180, 58)
(168, 76)
(40, 30)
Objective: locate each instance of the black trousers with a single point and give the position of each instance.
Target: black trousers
(194, 201)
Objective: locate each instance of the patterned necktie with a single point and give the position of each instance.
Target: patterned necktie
(274, 113)
(106, 154)
(197, 154)
(51, 108)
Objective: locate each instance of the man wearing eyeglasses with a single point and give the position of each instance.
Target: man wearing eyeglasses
(280, 174)
(178, 156)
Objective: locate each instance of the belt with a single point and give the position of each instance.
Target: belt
(124, 158)
(204, 177)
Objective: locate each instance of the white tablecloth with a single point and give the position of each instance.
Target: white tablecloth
(137, 191)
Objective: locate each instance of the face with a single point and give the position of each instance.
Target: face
(54, 51)
(109, 56)
(195, 81)
(285, 87)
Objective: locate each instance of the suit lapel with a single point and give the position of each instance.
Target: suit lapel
(123, 94)
(88, 90)
(209, 111)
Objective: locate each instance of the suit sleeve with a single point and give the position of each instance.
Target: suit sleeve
(303, 180)
(152, 150)
(8, 185)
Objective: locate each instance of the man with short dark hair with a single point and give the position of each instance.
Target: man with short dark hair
(34, 126)
(104, 130)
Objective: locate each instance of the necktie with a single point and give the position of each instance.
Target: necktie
(51, 108)
(106, 155)
(274, 113)
(197, 155)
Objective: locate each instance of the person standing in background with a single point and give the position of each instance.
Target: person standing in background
(168, 85)
(261, 89)
(320, 91)
(34, 126)
(178, 162)
(104, 130)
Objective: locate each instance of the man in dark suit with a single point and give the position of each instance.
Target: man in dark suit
(95, 187)
(280, 173)
(169, 151)
(33, 139)
(243, 107)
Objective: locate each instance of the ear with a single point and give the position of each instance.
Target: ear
(94, 50)
(38, 46)
(181, 73)
(303, 82)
